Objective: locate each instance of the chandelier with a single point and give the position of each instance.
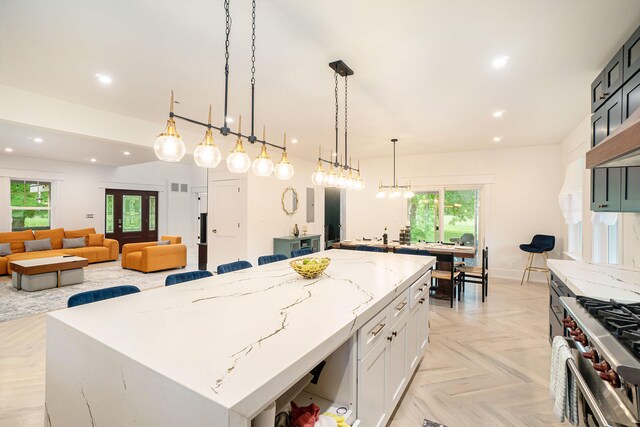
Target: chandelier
(169, 146)
(394, 190)
(342, 176)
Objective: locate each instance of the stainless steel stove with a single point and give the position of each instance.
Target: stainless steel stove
(605, 336)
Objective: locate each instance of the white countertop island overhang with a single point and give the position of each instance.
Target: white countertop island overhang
(218, 349)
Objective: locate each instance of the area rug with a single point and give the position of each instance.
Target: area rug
(15, 304)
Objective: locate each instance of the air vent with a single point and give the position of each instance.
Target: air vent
(175, 186)
(184, 188)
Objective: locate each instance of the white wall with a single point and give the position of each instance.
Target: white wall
(520, 189)
(78, 190)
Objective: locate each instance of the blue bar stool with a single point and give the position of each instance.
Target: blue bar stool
(540, 244)
(233, 266)
(174, 279)
(301, 252)
(101, 294)
(268, 259)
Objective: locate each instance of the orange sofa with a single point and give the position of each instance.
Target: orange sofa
(107, 251)
(149, 256)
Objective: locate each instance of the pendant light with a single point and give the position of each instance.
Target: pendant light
(238, 161)
(395, 190)
(284, 170)
(207, 154)
(358, 183)
(169, 146)
(331, 179)
(319, 176)
(262, 165)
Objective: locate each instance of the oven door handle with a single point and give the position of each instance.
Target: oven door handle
(586, 393)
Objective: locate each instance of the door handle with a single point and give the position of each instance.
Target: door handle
(214, 230)
(602, 206)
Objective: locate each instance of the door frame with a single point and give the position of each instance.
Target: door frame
(146, 235)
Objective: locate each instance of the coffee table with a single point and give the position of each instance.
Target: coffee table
(46, 273)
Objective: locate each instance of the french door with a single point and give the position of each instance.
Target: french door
(131, 216)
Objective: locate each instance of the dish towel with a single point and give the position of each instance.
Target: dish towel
(562, 385)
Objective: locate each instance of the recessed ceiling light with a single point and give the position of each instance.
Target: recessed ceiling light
(38, 140)
(497, 138)
(92, 160)
(126, 153)
(498, 113)
(294, 141)
(103, 78)
(500, 62)
(229, 119)
(8, 150)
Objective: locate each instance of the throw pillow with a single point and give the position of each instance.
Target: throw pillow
(163, 242)
(96, 239)
(5, 249)
(37, 245)
(77, 242)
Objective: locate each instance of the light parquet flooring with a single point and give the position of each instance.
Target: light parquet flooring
(487, 364)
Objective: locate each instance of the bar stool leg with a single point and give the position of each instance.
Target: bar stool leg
(547, 273)
(453, 289)
(526, 268)
(533, 259)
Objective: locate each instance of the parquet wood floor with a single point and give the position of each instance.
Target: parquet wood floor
(487, 364)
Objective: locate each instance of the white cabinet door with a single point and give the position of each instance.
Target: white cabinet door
(423, 324)
(397, 362)
(373, 386)
(413, 344)
(225, 216)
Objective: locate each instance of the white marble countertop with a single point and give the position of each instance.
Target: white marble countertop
(242, 338)
(598, 280)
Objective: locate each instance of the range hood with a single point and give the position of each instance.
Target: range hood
(620, 149)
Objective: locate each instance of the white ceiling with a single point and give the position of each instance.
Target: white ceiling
(422, 68)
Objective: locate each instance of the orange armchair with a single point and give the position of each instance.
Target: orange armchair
(148, 256)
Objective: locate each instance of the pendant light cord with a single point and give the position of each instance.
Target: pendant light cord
(336, 95)
(252, 137)
(346, 110)
(225, 129)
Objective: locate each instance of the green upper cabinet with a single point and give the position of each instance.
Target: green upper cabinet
(605, 189)
(630, 189)
(631, 55)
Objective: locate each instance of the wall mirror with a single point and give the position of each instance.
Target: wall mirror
(290, 201)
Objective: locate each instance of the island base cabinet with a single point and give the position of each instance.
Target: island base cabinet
(373, 386)
(398, 361)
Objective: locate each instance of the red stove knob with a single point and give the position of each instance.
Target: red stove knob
(569, 323)
(602, 366)
(582, 339)
(567, 320)
(611, 377)
(591, 355)
(575, 332)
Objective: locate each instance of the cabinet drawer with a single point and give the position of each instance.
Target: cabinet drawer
(372, 332)
(419, 289)
(399, 307)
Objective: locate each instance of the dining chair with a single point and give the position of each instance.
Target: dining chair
(301, 252)
(446, 270)
(367, 248)
(101, 294)
(540, 244)
(477, 274)
(174, 279)
(268, 259)
(407, 251)
(233, 266)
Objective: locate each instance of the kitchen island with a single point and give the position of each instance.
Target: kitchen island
(226, 350)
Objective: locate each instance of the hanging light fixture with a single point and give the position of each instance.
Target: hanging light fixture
(262, 165)
(238, 160)
(342, 176)
(283, 169)
(395, 190)
(169, 146)
(207, 153)
(319, 176)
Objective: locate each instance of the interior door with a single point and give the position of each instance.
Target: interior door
(225, 218)
(332, 209)
(131, 216)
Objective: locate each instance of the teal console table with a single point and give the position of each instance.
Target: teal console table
(284, 245)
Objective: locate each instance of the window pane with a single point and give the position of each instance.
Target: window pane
(30, 194)
(152, 213)
(460, 216)
(424, 217)
(23, 219)
(109, 214)
(131, 213)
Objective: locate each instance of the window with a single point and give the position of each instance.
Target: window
(30, 205)
(110, 226)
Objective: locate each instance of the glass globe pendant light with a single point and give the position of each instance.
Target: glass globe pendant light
(331, 179)
(238, 161)
(262, 165)
(408, 192)
(284, 170)
(169, 146)
(358, 183)
(318, 177)
(381, 194)
(207, 154)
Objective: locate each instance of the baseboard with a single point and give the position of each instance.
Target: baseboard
(507, 273)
